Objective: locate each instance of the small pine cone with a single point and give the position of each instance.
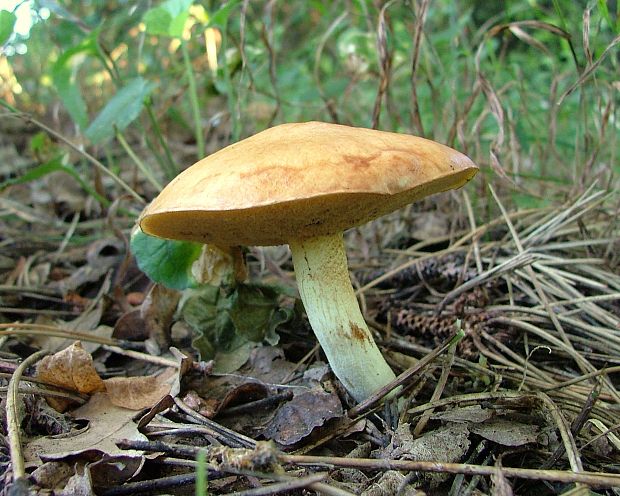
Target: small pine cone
(478, 297)
(427, 326)
(441, 273)
(433, 330)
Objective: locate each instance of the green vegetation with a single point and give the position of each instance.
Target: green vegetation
(528, 89)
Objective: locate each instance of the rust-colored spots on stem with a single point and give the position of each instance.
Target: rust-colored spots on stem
(357, 333)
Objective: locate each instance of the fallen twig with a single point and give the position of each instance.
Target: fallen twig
(13, 419)
(591, 478)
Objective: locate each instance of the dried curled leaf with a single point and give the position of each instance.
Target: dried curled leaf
(71, 368)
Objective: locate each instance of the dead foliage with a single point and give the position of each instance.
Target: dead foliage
(531, 387)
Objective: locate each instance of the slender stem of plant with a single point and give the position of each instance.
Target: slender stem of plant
(193, 97)
(171, 169)
(108, 63)
(163, 166)
(7, 106)
(201, 472)
(141, 165)
(235, 131)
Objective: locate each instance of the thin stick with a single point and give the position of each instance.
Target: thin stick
(553, 340)
(162, 485)
(418, 29)
(404, 377)
(605, 371)
(470, 399)
(193, 98)
(329, 490)
(522, 259)
(452, 248)
(173, 451)
(145, 357)
(23, 329)
(472, 223)
(576, 425)
(288, 485)
(581, 362)
(219, 431)
(13, 416)
(46, 392)
(439, 388)
(565, 433)
(592, 478)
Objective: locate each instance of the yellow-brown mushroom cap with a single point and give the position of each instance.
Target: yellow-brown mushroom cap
(299, 181)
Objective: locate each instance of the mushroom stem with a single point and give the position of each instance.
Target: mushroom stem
(334, 313)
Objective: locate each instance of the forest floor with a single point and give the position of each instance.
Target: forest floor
(506, 336)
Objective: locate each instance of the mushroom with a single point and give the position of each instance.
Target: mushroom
(304, 184)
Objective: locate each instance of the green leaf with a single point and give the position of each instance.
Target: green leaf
(280, 316)
(53, 165)
(220, 17)
(203, 310)
(33, 174)
(199, 309)
(7, 22)
(120, 111)
(228, 323)
(252, 309)
(165, 261)
(64, 72)
(39, 143)
(227, 362)
(157, 21)
(168, 19)
(602, 5)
